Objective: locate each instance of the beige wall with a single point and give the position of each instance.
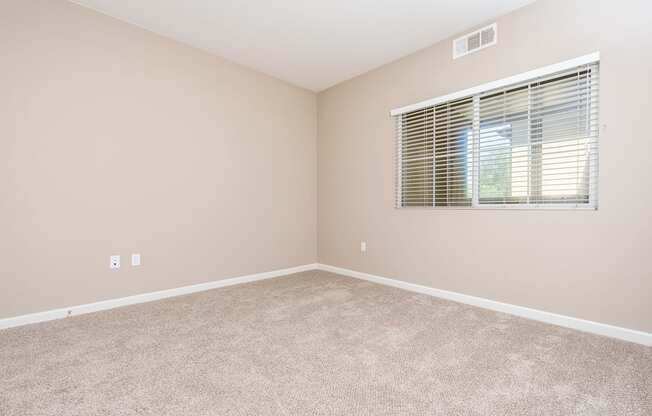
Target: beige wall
(592, 265)
(114, 140)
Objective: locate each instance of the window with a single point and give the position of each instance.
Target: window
(528, 141)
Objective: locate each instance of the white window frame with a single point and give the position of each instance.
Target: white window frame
(475, 92)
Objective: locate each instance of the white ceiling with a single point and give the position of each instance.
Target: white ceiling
(310, 43)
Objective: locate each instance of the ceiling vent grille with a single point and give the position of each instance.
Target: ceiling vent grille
(475, 41)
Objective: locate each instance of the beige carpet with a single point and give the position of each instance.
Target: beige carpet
(316, 344)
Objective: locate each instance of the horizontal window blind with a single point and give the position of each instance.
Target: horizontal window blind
(453, 123)
(531, 144)
(416, 148)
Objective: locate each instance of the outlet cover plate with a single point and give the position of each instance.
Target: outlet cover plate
(114, 262)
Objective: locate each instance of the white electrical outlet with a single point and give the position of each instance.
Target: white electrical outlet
(363, 246)
(135, 259)
(115, 262)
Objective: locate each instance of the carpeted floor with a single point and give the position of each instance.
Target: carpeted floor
(316, 343)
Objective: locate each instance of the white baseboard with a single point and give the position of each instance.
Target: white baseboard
(625, 334)
(145, 297)
(644, 338)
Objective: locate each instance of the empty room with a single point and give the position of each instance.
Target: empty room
(327, 207)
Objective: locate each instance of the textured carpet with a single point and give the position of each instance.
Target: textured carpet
(316, 343)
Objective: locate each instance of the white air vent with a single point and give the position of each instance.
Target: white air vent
(474, 41)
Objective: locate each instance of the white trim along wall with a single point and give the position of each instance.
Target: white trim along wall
(145, 297)
(625, 334)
